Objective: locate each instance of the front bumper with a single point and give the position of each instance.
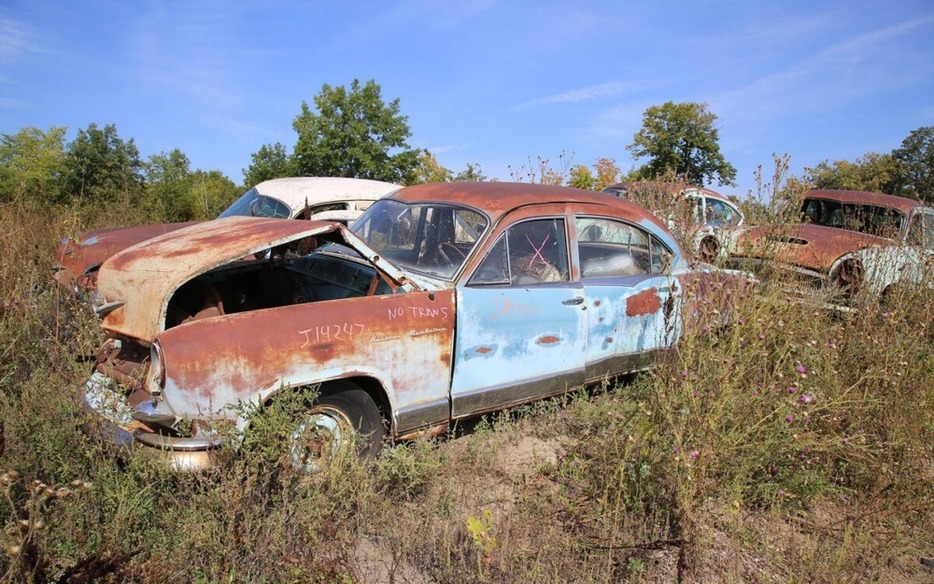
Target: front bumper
(112, 419)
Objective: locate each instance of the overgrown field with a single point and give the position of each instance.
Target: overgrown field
(793, 446)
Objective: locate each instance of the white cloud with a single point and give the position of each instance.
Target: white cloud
(603, 91)
(16, 39)
(192, 51)
(842, 70)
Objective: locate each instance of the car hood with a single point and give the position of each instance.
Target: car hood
(74, 258)
(811, 246)
(135, 285)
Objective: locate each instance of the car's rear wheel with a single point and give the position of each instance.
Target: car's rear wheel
(341, 422)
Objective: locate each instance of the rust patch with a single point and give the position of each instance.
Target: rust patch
(548, 340)
(484, 350)
(608, 340)
(643, 303)
(596, 303)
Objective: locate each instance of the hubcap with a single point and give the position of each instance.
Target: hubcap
(319, 439)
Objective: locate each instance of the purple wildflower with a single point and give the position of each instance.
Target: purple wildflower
(801, 369)
(792, 388)
(789, 418)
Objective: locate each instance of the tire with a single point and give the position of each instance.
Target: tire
(343, 421)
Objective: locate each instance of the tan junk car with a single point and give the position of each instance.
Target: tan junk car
(326, 198)
(849, 244)
(443, 301)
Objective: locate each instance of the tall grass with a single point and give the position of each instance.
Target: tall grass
(783, 447)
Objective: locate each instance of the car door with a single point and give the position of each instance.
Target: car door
(520, 321)
(631, 298)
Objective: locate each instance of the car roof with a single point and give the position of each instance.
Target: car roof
(295, 191)
(864, 197)
(498, 198)
(672, 188)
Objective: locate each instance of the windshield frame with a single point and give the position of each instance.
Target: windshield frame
(431, 238)
(245, 206)
(874, 219)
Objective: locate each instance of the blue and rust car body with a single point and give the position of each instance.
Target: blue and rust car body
(237, 311)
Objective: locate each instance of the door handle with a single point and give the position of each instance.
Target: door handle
(573, 301)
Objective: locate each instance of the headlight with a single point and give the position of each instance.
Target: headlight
(849, 277)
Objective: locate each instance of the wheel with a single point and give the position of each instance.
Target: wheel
(343, 421)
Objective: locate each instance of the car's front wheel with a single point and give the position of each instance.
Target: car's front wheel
(343, 421)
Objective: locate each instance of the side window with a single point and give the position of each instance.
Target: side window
(921, 231)
(719, 214)
(531, 252)
(661, 257)
(609, 248)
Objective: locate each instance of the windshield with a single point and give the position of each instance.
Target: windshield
(430, 238)
(253, 204)
(873, 219)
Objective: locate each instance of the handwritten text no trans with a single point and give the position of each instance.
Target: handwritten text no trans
(418, 312)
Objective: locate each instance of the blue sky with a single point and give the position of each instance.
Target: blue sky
(490, 82)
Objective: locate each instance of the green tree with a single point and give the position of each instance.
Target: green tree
(472, 173)
(354, 133)
(879, 173)
(101, 167)
(580, 177)
(681, 138)
(916, 157)
(212, 192)
(169, 195)
(271, 161)
(31, 162)
(429, 170)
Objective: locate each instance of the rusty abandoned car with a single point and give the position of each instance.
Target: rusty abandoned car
(324, 198)
(443, 302)
(854, 246)
(709, 221)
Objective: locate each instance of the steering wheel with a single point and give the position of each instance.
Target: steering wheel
(448, 258)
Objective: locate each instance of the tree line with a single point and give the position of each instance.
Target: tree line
(352, 132)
